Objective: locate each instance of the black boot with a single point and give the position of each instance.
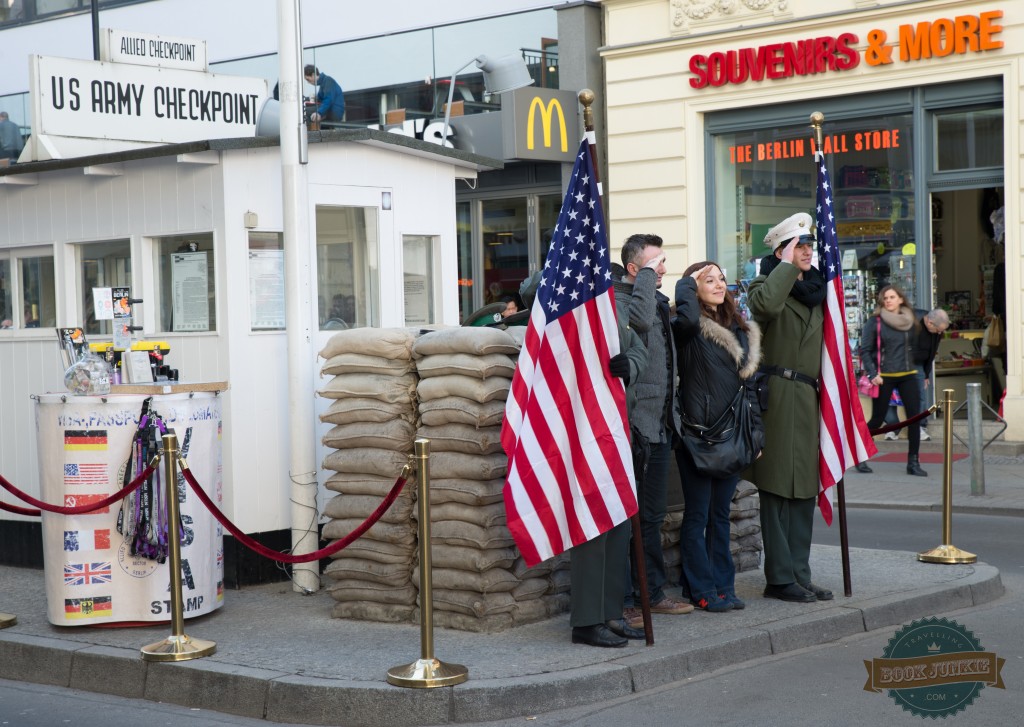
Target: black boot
(914, 467)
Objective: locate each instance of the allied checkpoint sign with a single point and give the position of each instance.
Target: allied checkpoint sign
(145, 49)
(82, 107)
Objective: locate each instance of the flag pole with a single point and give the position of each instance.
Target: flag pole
(586, 97)
(817, 119)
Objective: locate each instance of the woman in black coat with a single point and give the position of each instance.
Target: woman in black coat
(718, 354)
(890, 336)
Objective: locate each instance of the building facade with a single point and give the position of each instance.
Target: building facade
(709, 145)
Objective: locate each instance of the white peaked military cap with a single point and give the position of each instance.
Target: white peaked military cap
(798, 225)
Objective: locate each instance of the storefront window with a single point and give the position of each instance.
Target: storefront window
(102, 265)
(348, 271)
(39, 306)
(762, 176)
(506, 251)
(187, 293)
(420, 278)
(266, 281)
(968, 139)
(464, 243)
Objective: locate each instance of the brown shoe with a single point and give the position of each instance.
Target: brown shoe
(671, 606)
(634, 617)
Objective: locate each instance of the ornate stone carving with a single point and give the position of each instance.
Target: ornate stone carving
(684, 11)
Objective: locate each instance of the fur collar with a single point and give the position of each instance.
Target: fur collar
(725, 338)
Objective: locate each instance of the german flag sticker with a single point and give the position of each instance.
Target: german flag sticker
(95, 607)
(80, 440)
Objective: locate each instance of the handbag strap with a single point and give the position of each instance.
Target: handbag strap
(878, 344)
(707, 433)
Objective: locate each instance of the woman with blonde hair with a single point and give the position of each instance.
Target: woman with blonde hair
(887, 354)
(718, 353)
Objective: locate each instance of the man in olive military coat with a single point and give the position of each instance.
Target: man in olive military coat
(786, 300)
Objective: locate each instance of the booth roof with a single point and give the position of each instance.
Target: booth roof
(372, 137)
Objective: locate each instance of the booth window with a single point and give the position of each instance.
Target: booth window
(420, 273)
(187, 294)
(347, 268)
(266, 281)
(102, 265)
(27, 291)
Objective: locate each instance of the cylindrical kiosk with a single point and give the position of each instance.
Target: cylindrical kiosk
(85, 445)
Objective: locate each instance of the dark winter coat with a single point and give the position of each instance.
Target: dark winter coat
(792, 336)
(716, 360)
(898, 348)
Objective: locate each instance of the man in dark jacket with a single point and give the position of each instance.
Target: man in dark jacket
(933, 324)
(786, 301)
(656, 414)
(329, 97)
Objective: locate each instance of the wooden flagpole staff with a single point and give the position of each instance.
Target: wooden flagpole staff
(586, 97)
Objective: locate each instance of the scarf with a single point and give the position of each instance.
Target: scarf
(810, 291)
(902, 320)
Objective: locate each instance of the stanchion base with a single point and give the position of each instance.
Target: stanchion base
(947, 554)
(178, 648)
(7, 619)
(427, 673)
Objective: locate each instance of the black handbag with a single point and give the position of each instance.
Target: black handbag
(729, 445)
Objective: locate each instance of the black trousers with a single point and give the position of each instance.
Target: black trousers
(910, 393)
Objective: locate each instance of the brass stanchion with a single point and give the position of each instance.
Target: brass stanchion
(427, 671)
(7, 619)
(947, 552)
(177, 646)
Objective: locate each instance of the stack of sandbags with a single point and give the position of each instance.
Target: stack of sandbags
(465, 376)
(373, 414)
(745, 527)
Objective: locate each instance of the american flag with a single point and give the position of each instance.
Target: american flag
(844, 440)
(83, 574)
(570, 470)
(85, 474)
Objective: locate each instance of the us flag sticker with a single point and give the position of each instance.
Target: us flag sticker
(83, 500)
(76, 540)
(95, 607)
(85, 474)
(78, 440)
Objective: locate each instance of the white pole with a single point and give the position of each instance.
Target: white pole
(298, 286)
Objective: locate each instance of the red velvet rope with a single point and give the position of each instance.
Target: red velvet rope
(79, 509)
(899, 425)
(285, 557)
(19, 510)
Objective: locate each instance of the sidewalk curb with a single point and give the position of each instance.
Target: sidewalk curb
(937, 507)
(273, 695)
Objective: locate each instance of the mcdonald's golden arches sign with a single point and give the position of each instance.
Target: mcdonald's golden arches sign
(545, 125)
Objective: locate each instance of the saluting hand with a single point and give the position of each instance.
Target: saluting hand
(789, 251)
(706, 270)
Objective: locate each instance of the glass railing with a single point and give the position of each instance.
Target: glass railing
(17, 12)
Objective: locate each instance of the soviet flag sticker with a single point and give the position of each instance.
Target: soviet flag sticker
(934, 668)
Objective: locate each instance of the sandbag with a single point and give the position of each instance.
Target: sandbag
(392, 343)
(467, 492)
(458, 410)
(456, 465)
(368, 460)
(479, 340)
(464, 438)
(456, 532)
(471, 559)
(494, 580)
(379, 551)
(479, 390)
(530, 588)
(396, 435)
(387, 532)
(359, 363)
(355, 409)
(485, 516)
(494, 623)
(359, 483)
(544, 568)
(464, 364)
(559, 581)
(478, 605)
(393, 574)
(362, 506)
(370, 611)
(391, 389)
(358, 590)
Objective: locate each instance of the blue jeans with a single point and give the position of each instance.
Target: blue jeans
(708, 570)
(652, 494)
